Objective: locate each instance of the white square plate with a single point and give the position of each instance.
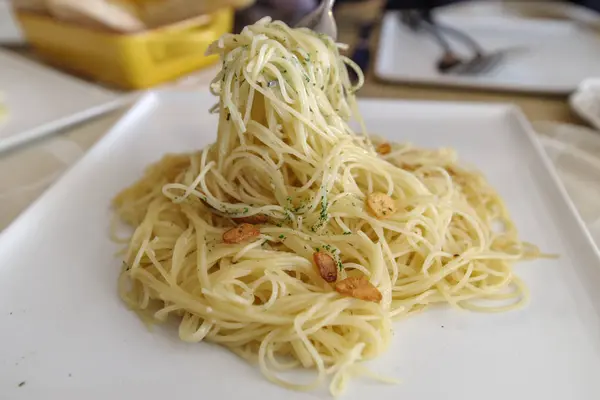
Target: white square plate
(541, 59)
(40, 100)
(65, 334)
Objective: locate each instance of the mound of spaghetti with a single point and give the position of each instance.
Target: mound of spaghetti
(294, 242)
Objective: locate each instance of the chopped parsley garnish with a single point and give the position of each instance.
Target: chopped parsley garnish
(324, 215)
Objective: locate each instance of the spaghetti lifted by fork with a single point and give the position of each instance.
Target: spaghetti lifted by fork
(294, 242)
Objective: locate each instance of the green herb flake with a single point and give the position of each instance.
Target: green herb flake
(347, 233)
(281, 236)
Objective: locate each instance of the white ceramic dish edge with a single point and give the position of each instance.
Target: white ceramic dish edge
(97, 100)
(53, 127)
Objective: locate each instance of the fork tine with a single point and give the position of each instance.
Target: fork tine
(497, 57)
(467, 68)
(491, 63)
(482, 65)
(477, 66)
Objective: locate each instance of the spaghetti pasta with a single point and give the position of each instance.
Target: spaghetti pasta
(294, 242)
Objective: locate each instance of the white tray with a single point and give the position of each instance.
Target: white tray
(41, 100)
(552, 56)
(66, 334)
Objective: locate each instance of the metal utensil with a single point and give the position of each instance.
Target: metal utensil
(450, 62)
(419, 20)
(321, 20)
(481, 62)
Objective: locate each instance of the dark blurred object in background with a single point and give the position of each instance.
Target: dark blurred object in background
(418, 4)
(593, 4)
(289, 11)
(430, 4)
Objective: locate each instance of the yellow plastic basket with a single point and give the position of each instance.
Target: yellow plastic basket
(133, 61)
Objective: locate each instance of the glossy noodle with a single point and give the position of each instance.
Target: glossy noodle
(295, 242)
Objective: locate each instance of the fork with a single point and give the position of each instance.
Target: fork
(450, 62)
(482, 61)
(321, 20)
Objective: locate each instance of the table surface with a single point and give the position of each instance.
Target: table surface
(27, 171)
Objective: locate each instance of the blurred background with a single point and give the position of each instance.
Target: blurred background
(69, 69)
(137, 44)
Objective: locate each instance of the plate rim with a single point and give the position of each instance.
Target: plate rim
(519, 115)
(47, 128)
